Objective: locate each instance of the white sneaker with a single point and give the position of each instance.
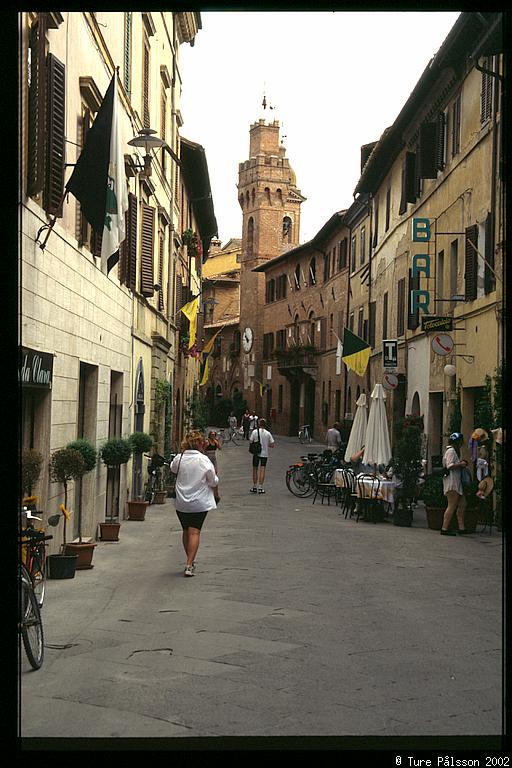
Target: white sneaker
(189, 570)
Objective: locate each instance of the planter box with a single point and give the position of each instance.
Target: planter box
(109, 531)
(84, 553)
(435, 518)
(61, 566)
(137, 510)
(160, 497)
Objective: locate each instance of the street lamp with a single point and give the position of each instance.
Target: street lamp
(148, 141)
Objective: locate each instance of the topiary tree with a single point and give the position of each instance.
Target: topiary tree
(115, 452)
(140, 442)
(90, 457)
(31, 462)
(407, 459)
(66, 464)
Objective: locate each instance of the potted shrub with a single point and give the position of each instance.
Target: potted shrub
(140, 442)
(113, 454)
(66, 464)
(435, 502)
(472, 511)
(84, 550)
(31, 462)
(407, 467)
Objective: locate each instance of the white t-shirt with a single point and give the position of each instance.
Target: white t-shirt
(252, 422)
(195, 482)
(265, 439)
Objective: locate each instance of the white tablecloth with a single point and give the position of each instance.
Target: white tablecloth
(386, 487)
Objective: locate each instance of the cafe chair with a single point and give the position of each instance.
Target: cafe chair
(369, 498)
(348, 491)
(326, 487)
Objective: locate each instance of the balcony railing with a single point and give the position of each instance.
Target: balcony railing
(298, 357)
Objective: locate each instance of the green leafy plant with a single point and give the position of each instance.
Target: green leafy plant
(407, 458)
(140, 442)
(115, 452)
(432, 492)
(66, 464)
(31, 462)
(90, 457)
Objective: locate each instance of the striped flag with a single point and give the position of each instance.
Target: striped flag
(204, 357)
(356, 352)
(190, 312)
(98, 180)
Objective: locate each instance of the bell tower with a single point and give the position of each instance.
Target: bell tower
(270, 203)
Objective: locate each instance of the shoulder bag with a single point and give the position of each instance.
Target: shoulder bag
(173, 492)
(255, 447)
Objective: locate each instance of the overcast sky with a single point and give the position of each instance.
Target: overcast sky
(336, 80)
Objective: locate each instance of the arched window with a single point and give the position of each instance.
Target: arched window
(296, 277)
(279, 196)
(296, 330)
(312, 271)
(268, 196)
(312, 328)
(287, 229)
(415, 408)
(253, 196)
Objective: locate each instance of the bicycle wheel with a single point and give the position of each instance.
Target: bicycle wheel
(299, 481)
(31, 624)
(302, 438)
(38, 575)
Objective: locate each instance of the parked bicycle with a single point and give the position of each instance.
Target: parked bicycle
(303, 477)
(155, 468)
(33, 551)
(229, 435)
(30, 624)
(305, 435)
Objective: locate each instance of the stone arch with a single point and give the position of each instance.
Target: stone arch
(268, 196)
(415, 407)
(250, 236)
(287, 229)
(279, 195)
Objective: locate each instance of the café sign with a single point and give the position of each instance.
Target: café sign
(436, 324)
(35, 368)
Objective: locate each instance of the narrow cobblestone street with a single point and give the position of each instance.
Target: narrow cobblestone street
(298, 622)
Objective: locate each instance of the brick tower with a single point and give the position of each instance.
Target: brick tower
(270, 203)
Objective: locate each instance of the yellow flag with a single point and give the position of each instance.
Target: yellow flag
(190, 312)
(205, 354)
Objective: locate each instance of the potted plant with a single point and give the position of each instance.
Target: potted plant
(66, 464)
(435, 502)
(31, 462)
(84, 550)
(113, 454)
(407, 467)
(140, 442)
(472, 511)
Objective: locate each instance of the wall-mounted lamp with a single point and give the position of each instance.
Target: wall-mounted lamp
(148, 141)
(450, 370)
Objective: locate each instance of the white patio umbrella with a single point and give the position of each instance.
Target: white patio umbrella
(358, 431)
(377, 444)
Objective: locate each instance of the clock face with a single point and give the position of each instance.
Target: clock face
(247, 339)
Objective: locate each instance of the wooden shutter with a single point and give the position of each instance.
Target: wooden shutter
(385, 316)
(408, 181)
(440, 140)
(147, 244)
(145, 85)
(128, 248)
(127, 51)
(372, 311)
(376, 224)
(413, 319)
(179, 300)
(54, 187)
(96, 238)
(400, 307)
(486, 95)
(161, 244)
(427, 165)
(489, 280)
(37, 107)
(456, 126)
(471, 262)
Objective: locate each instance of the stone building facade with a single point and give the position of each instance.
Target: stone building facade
(97, 343)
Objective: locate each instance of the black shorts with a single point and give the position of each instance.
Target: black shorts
(256, 460)
(191, 519)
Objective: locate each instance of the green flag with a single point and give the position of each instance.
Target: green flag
(356, 352)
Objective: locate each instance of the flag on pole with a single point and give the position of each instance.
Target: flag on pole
(205, 356)
(356, 352)
(190, 312)
(98, 180)
(339, 352)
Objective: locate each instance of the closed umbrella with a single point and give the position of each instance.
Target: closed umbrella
(377, 444)
(358, 431)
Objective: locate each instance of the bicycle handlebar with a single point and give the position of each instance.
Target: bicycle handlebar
(30, 533)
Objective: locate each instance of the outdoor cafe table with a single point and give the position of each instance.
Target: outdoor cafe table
(386, 487)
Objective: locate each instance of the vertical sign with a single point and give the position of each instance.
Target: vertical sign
(420, 265)
(389, 353)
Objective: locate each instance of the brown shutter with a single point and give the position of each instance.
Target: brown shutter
(427, 166)
(440, 140)
(96, 238)
(471, 262)
(84, 225)
(55, 136)
(147, 250)
(37, 107)
(489, 281)
(400, 307)
(408, 181)
(161, 243)
(145, 85)
(372, 312)
(323, 333)
(413, 319)
(179, 300)
(128, 248)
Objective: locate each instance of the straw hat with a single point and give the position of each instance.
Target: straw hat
(479, 434)
(486, 485)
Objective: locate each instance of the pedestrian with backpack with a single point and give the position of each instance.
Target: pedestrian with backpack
(260, 441)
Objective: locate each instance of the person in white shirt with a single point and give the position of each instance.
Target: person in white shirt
(259, 460)
(195, 482)
(333, 438)
(253, 420)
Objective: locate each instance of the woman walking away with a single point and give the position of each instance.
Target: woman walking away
(195, 482)
(212, 445)
(245, 423)
(262, 436)
(452, 484)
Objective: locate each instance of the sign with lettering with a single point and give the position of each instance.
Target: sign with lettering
(420, 265)
(389, 353)
(431, 324)
(35, 368)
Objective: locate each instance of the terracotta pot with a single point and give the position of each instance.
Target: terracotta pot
(85, 551)
(137, 510)
(109, 531)
(160, 497)
(435, 518)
